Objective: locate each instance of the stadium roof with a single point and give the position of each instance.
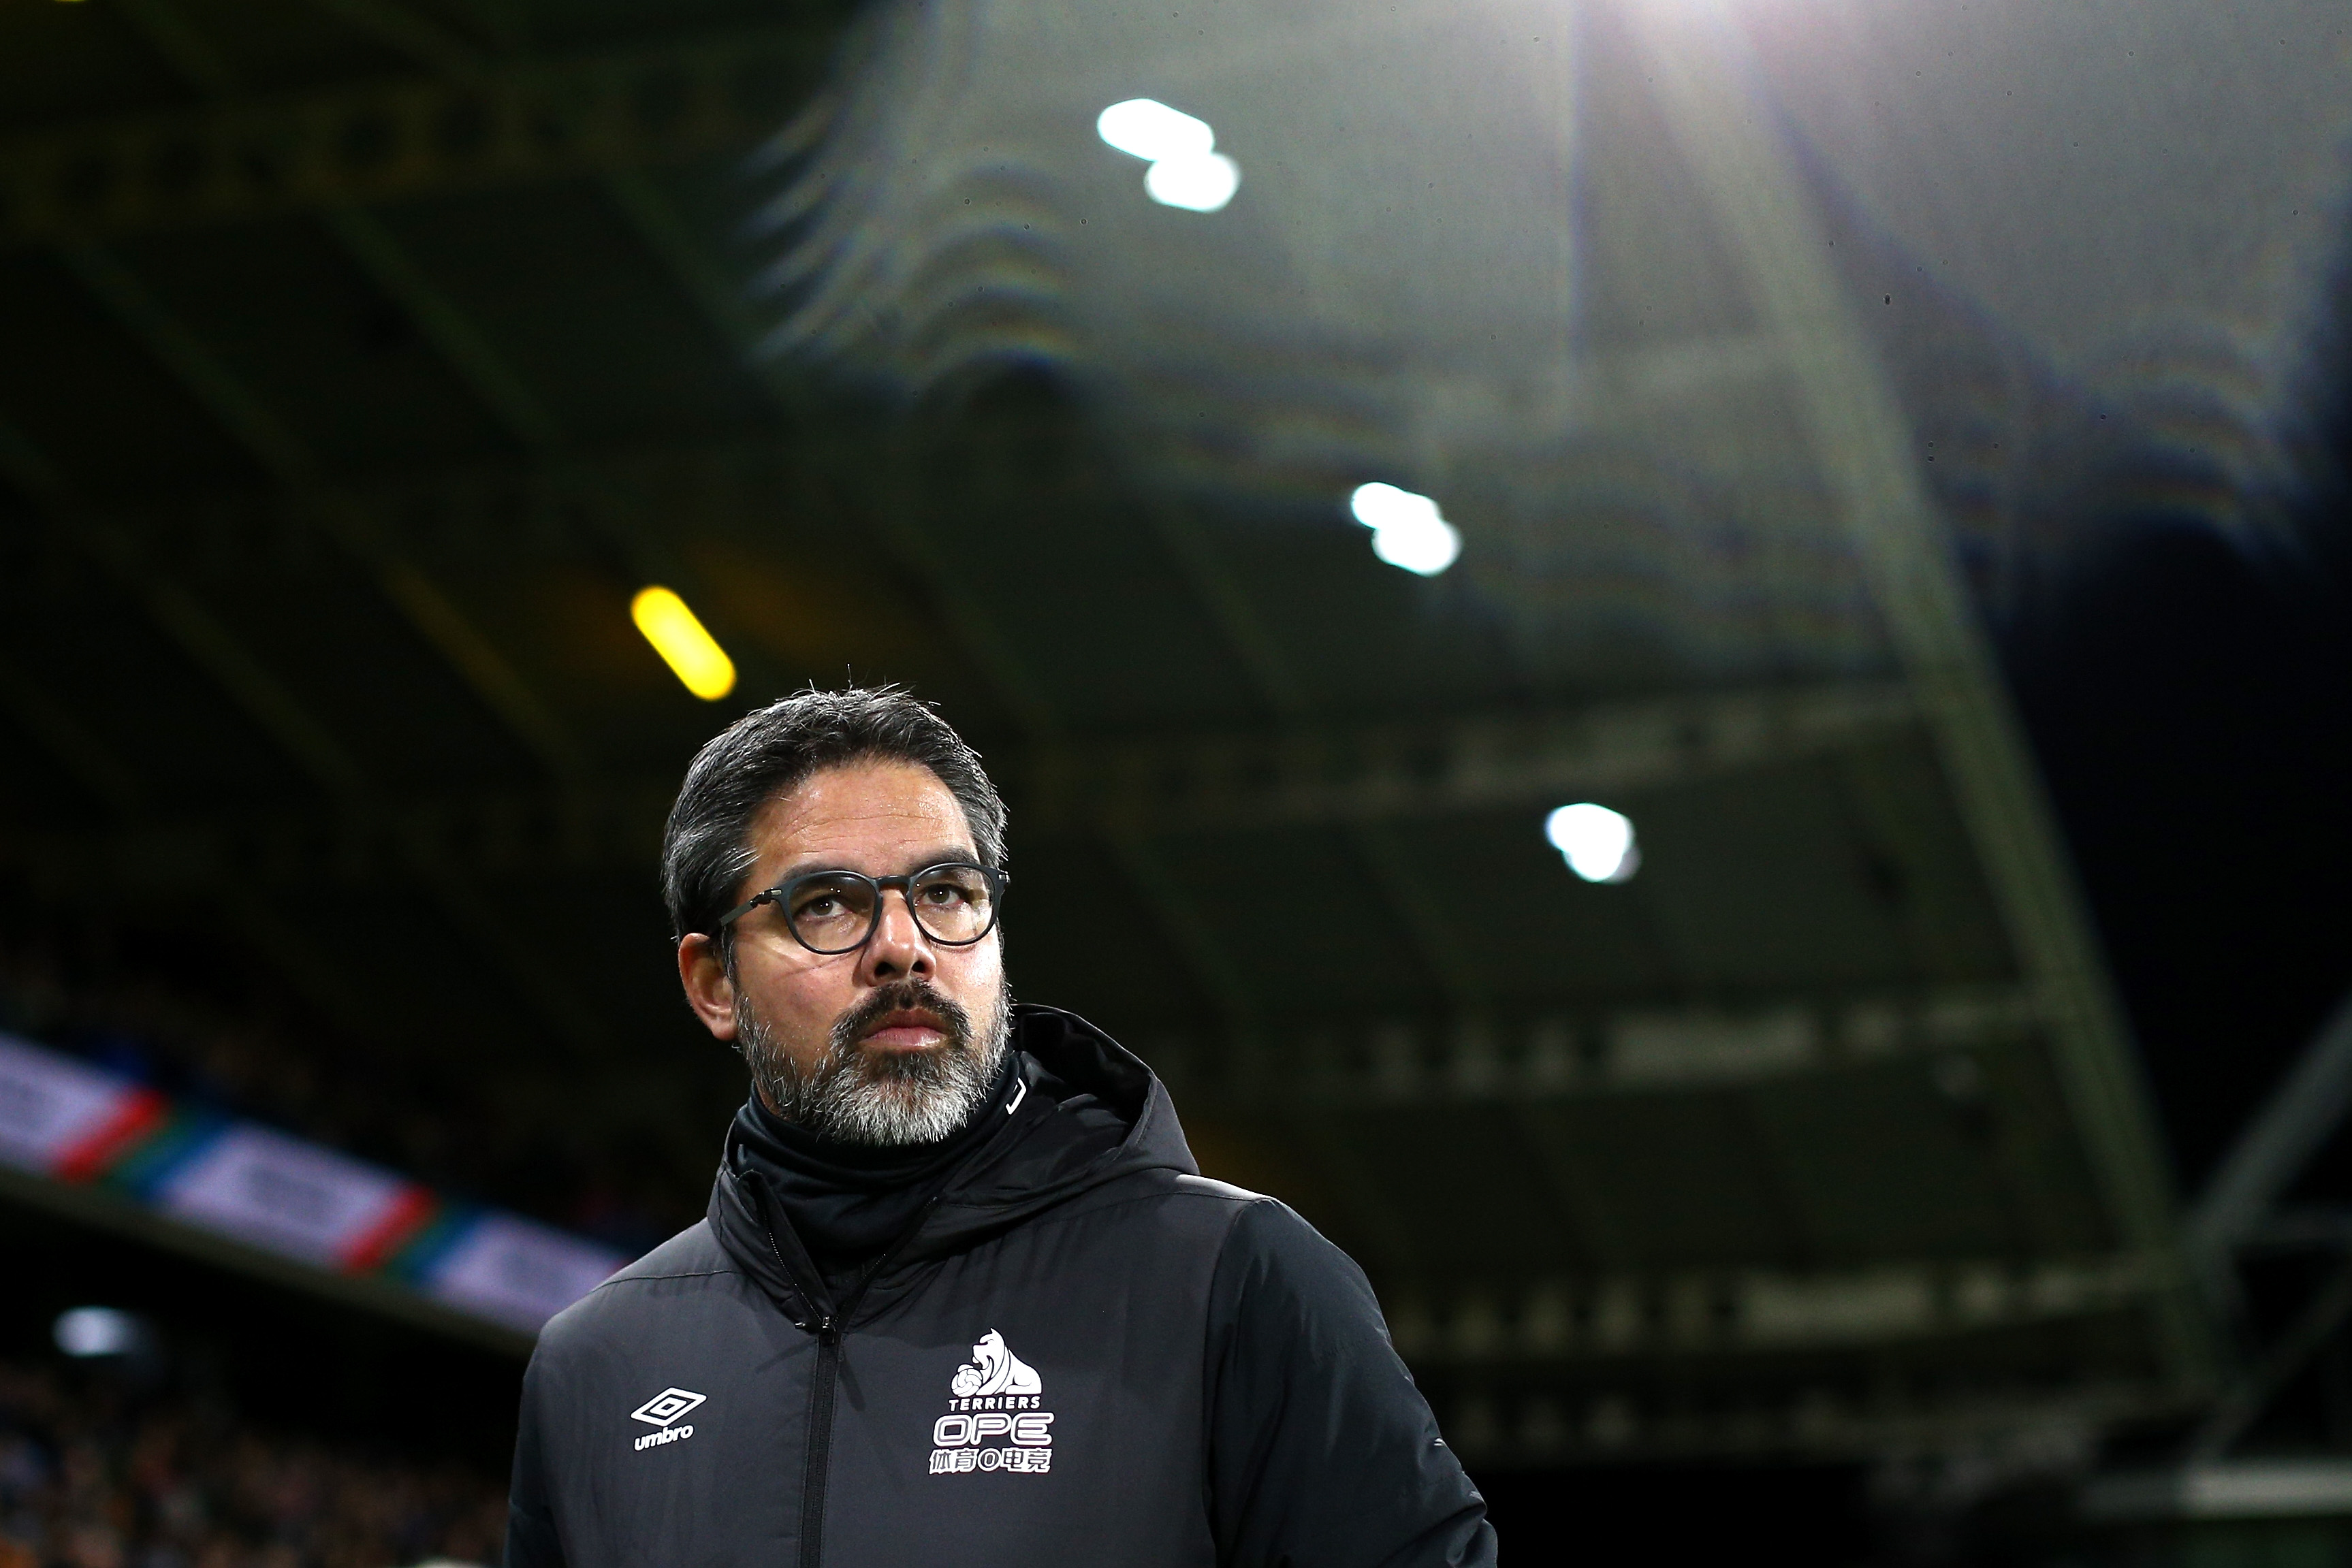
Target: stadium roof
(366, 358)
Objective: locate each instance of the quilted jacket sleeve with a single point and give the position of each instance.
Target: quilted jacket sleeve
(1322, 1452)
(530, 1524)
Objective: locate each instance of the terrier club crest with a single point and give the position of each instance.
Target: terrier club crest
(994, 1369)
(993, 1422)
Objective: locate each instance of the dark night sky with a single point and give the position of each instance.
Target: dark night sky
(2190, 695)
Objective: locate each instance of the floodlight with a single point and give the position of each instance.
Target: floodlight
(1197, 181)
(1408, 530)
(1147, 129)
(690, 652)
(86, 1332)
(1424, 547)
(1597, 842)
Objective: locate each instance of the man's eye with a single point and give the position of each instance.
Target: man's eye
(944, 893)
(822, 907)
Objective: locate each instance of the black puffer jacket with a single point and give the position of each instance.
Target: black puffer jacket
(1084, 1352)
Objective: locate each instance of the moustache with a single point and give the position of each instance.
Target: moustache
(854, 1025)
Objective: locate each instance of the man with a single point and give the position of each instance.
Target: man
(962, 1295)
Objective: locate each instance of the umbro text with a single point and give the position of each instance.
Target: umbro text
(666, 1435)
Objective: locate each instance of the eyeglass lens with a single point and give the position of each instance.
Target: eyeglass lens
(832, 911)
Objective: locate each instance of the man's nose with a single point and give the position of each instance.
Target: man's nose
(898, 949)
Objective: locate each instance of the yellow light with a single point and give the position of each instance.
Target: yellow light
(691, 652)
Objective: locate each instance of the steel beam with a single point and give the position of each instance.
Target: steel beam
(463, 347)
(2304, 1112)
(1852, 416)
(1758, 1311)
(722, 296)
(1577, 1206)
(1228, 609)
(422, 39)
(180, 45)
(535, 503)
(1341, 773)
(2266, 1488)
(59, 730)
(1643, 1422)
(2242, 1403)
(2304, 1228)
(243, 413)
(386, 141)
(633, 533)
(1386, 1244)
(1600, 1367)
(181, 617)
(97, 768)
(1594, 1054)
(281, 713)
(1347, 774)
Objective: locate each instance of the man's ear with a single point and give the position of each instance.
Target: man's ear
(709, 991)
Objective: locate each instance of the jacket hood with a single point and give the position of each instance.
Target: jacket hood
(1093, 1112)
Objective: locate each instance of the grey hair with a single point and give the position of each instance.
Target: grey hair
(706, 846)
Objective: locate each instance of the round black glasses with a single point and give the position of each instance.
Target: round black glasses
(838, 911)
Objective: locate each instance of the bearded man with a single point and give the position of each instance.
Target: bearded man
(961, 1294)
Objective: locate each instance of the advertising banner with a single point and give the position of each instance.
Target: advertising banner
(83, 1125)
(58, 1116)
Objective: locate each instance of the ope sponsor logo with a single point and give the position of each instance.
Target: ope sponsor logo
(992, 1421)
(661, 1410)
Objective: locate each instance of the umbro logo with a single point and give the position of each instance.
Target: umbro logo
(665, 1406)
(661, 1410)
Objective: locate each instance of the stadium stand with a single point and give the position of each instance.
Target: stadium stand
(92, 1476)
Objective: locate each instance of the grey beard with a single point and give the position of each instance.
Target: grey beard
(881, 1101)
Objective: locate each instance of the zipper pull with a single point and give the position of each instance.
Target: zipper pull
(826, 1333)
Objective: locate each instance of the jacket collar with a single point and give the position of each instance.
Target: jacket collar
(1094, 1111)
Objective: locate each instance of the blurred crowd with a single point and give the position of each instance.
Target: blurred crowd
(90, 1480)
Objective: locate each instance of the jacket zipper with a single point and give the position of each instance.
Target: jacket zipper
(820, 1443)
(816, 1470)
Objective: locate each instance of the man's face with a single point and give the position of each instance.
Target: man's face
(895, 1042)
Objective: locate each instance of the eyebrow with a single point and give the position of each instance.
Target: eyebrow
(923, 862)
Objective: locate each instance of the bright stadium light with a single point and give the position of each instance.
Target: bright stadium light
(1147, 129)
(84, 1331)
(1597, 842)
(1186, 171)
(1407, 529)
(691, 652)
(1198, 182)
